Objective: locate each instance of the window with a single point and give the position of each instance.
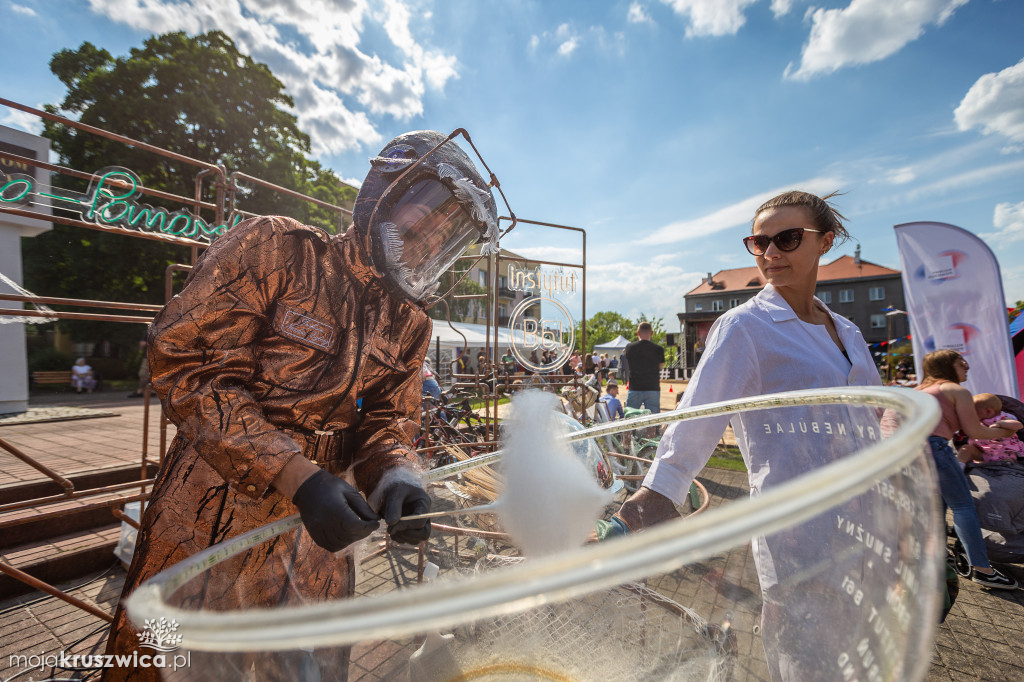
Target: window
(876, 294)
(733, 302)
(825, 296)
(846, 295)
(716, 306)
(698, 306)
(878, 321)
(483, 278)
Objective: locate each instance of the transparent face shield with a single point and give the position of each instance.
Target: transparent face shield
(426, 232)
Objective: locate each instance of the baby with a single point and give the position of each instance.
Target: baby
(1008, 449)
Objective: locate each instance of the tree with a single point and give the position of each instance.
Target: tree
(604, 327)
(199, 97)
(458, 309)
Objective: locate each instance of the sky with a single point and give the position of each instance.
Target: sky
(658, 126)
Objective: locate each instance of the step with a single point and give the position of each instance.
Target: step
(36, 524)
(60, 559)
(98, 478)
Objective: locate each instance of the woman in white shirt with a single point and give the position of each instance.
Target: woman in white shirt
(783, 339)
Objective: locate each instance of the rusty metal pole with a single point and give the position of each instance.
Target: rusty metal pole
(68, 486)
(53, 591)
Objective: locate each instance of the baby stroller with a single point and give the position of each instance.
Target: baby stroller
(998, 491)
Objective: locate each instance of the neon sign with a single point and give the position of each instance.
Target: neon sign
(112, 201)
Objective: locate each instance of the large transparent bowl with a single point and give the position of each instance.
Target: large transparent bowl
(829, 570)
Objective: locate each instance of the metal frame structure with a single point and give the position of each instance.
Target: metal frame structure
(225, 189)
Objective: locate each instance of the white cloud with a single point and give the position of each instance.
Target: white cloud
(1008, 219)
(568, 47)
(995, 103)
(711, 17)
(22, 9)
(566, 39)
(866, 31)
(781, 8)
(900, 176)
(14, 118)
(325, 71)
(614, 286)
(739, 213)
(637, 14)
(551, 254)
(960, 181)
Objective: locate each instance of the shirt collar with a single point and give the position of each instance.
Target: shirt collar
(772, 302)
(775, 305)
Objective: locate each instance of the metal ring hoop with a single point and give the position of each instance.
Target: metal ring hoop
(659, 549)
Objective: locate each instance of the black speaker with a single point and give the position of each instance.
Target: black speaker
(670, 339)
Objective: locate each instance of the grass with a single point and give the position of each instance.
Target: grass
(479, 404)
(727, 457)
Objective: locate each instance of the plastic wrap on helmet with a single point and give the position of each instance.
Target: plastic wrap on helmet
(409, 262)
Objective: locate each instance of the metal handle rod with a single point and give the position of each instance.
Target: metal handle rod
(472, 511)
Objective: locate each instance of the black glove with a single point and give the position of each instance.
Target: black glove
(334, 513)
(406, 499)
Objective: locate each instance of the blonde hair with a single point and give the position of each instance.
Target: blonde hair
(988, 401)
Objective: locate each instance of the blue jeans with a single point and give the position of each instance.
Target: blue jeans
(957, 496)
(649, 399)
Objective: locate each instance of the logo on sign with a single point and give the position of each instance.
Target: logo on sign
(955, 337)
(531, 336)
(941, 266)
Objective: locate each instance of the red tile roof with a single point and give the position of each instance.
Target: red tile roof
(739, 279)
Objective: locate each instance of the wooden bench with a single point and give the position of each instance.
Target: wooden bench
(62, 377)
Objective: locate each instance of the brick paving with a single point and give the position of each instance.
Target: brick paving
(980, 639)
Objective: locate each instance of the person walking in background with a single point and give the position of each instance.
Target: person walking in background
(644, 359)
(944, 371)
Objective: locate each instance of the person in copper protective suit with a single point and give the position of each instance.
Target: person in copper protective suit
(260, 361)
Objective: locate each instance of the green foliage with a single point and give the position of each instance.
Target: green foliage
(459, 308)
(197, 96)
(48, 360)
(604, 327)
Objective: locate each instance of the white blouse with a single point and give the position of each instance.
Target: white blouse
(757, 348)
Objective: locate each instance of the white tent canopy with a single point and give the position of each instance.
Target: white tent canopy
(476, 338)
(616, 344)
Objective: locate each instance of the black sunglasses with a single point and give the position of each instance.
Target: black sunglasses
(787, 240)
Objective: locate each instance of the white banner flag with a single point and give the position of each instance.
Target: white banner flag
(955, 300)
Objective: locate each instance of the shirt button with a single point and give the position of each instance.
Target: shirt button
(851, 381)
(251, 488)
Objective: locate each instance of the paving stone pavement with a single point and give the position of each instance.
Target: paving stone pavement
(980, 640)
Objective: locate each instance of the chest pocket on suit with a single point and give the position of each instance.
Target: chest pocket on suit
(302, 348)
(385, 356)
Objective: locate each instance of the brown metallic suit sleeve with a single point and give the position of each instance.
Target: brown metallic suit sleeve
(391, 411)
(201, 354)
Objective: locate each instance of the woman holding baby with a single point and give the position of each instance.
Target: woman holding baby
(944, 371)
